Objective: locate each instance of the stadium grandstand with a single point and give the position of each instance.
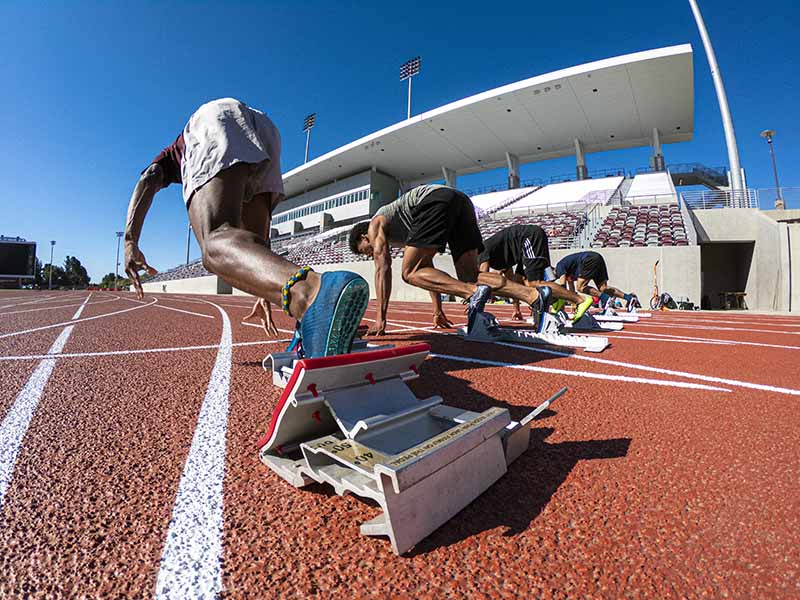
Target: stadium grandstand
(633, 217)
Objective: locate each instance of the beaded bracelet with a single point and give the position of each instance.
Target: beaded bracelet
(299, 276)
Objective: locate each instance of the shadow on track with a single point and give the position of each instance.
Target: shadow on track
(519, 497)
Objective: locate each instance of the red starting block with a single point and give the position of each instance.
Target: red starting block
(352, 422)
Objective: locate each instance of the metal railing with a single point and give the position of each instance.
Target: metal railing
(709, 199)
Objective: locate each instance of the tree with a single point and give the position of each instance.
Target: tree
(108, 280)
(58, 275)
(75, 274)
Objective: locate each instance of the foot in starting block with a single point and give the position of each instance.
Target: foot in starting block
(589, 323)
(352, 422)
(487, 329)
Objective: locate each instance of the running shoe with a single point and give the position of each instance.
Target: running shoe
(540, 306)
(295, 343)
(330, 323)
(580, 309)
(633, 302)
(558, 305)
(477, 302)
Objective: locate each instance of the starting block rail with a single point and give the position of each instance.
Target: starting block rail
(352, 422)
(487, 329)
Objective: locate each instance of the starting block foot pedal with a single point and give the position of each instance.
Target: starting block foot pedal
(352, 422)
(487, 329)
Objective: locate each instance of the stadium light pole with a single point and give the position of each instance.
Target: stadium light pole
(116, 266)
(308, 123)
(50, 278)
(722, 99)
(768, 134)
(408, 70)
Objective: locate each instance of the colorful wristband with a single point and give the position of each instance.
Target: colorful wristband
(299, 276)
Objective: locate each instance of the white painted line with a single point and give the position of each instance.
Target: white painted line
(111, 314)
(669, 337)
(191, 564)
(712, 328)
(30, 310)
(16, 423)
(627, 336)
(186, 312)
(132, 352)
(585, 374)
(627, 365)
(81, 307)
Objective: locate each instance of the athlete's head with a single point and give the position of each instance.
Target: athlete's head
(359, 241)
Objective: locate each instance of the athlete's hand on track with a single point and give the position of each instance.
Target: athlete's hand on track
(263, 310)
(135, 262)
(378, 329)
(440, 321)
(517, 316)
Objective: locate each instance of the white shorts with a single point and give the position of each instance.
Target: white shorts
(224, 132)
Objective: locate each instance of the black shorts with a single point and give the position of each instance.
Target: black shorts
(593, 266)
(535, 253)
(445, 217)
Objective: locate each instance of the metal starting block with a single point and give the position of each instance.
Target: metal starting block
(586, 323)
(487, 329)
(616, 317)
(352, 422)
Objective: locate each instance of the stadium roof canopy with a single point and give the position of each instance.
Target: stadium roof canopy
(608, 104)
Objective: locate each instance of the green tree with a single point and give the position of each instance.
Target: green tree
(58, 275)
(75, 274)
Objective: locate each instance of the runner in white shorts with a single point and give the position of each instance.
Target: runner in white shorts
(228, 161)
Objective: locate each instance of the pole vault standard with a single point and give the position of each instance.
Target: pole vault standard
(727, 122)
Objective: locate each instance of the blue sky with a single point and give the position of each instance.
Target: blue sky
(92, 91)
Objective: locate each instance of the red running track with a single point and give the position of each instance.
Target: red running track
(668, 470)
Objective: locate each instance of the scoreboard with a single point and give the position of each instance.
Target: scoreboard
(17, 258)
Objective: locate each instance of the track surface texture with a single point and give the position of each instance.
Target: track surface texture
(128, 462)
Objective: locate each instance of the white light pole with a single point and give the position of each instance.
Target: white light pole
(407, 71)
(50, 278)
(768, 134)
(116, 269)
(308, 123)
(727, 123)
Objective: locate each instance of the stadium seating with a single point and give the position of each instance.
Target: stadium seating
(642, 225)
(493, 202)
(193, 269)
(562, 227)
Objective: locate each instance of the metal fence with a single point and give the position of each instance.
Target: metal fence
(707, 199)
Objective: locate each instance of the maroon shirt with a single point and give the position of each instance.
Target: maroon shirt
(170, 159)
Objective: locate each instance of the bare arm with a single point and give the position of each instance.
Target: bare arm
(149, 183)
(382, 255)
(440, 319)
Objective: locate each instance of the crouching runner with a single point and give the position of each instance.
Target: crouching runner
(522, 252)
(228, 161)
(578, 269)
(424, 221)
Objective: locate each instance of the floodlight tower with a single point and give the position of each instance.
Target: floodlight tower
(308, 123)
(116, 266)
(722, 98)
(768, 134)
(50, 278)
(407, 71)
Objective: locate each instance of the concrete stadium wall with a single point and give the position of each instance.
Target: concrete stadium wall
(210, 284)
(630, 269)
(768, 280)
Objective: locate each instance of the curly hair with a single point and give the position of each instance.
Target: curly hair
(356, 232)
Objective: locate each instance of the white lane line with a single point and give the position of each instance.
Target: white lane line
(132, 352)
(30, 310)
(111, 314)
(668, 337)
(191, 564)
(585, 374)
(687, 375)
(37, 301)
(627, 336)
(711, 328)
(16, 423)
(186, 312)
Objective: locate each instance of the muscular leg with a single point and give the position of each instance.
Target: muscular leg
(559, 292)
(241, 257)
(611, 291)
(418, 270)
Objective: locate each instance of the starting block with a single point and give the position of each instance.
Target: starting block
(586, 323)
(487, 329)
(351, 421)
